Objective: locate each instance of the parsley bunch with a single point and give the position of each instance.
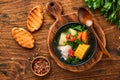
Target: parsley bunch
(110, 9)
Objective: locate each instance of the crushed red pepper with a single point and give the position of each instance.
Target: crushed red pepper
(41, 66)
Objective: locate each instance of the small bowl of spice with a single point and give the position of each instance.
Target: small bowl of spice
(40, 66)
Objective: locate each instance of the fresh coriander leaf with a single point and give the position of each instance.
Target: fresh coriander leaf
(110, 9)
(96, 4)
(106, 8)
(70, 43)
(113, 17)
(76, 60)
(118, 23)
(89, 3)
(102, 2)
(68, 60)
(78, 28)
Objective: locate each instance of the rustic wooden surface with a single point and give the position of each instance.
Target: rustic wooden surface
(63, 19)
(14, 63)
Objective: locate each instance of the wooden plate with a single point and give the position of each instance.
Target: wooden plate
(55, 9)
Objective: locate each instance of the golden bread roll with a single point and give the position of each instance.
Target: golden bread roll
(23, 37)
(35, 18)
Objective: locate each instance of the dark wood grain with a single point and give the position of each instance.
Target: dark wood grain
(14, 63)
(55, 8)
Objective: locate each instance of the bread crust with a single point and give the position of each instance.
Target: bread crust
(23, 37)
(35, 19)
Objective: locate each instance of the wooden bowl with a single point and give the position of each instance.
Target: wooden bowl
(92, 41)
(40, 62)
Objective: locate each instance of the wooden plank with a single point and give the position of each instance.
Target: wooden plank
(13, 13)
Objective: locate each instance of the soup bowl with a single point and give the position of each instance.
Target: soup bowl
(91, 41)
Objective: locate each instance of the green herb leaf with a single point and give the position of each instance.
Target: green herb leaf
(74, 44)
(76, 60)
(118, 23)
(96, 4)
(89, 3)
(72, 60)
(110, 9)
(79, 28)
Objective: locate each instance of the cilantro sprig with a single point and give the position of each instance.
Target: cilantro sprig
(110, 9)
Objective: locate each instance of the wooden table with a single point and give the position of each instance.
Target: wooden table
(14, 63)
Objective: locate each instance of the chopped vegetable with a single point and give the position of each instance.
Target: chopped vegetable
(70, 37)
(64, 51)
(79, 36)
(72, 31)
(72, 60)
(85, 36)
(62, 40)
(74, 44)
(79, 28)
(76, 59)
(81, 50)
(71, 53)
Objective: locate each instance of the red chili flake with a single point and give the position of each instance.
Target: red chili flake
(40, 66)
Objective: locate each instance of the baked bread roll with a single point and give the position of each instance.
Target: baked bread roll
(35, 18)
(23, 37)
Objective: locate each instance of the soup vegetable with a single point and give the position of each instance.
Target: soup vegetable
(73, 43)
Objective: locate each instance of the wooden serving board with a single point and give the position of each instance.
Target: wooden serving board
(55, 9)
